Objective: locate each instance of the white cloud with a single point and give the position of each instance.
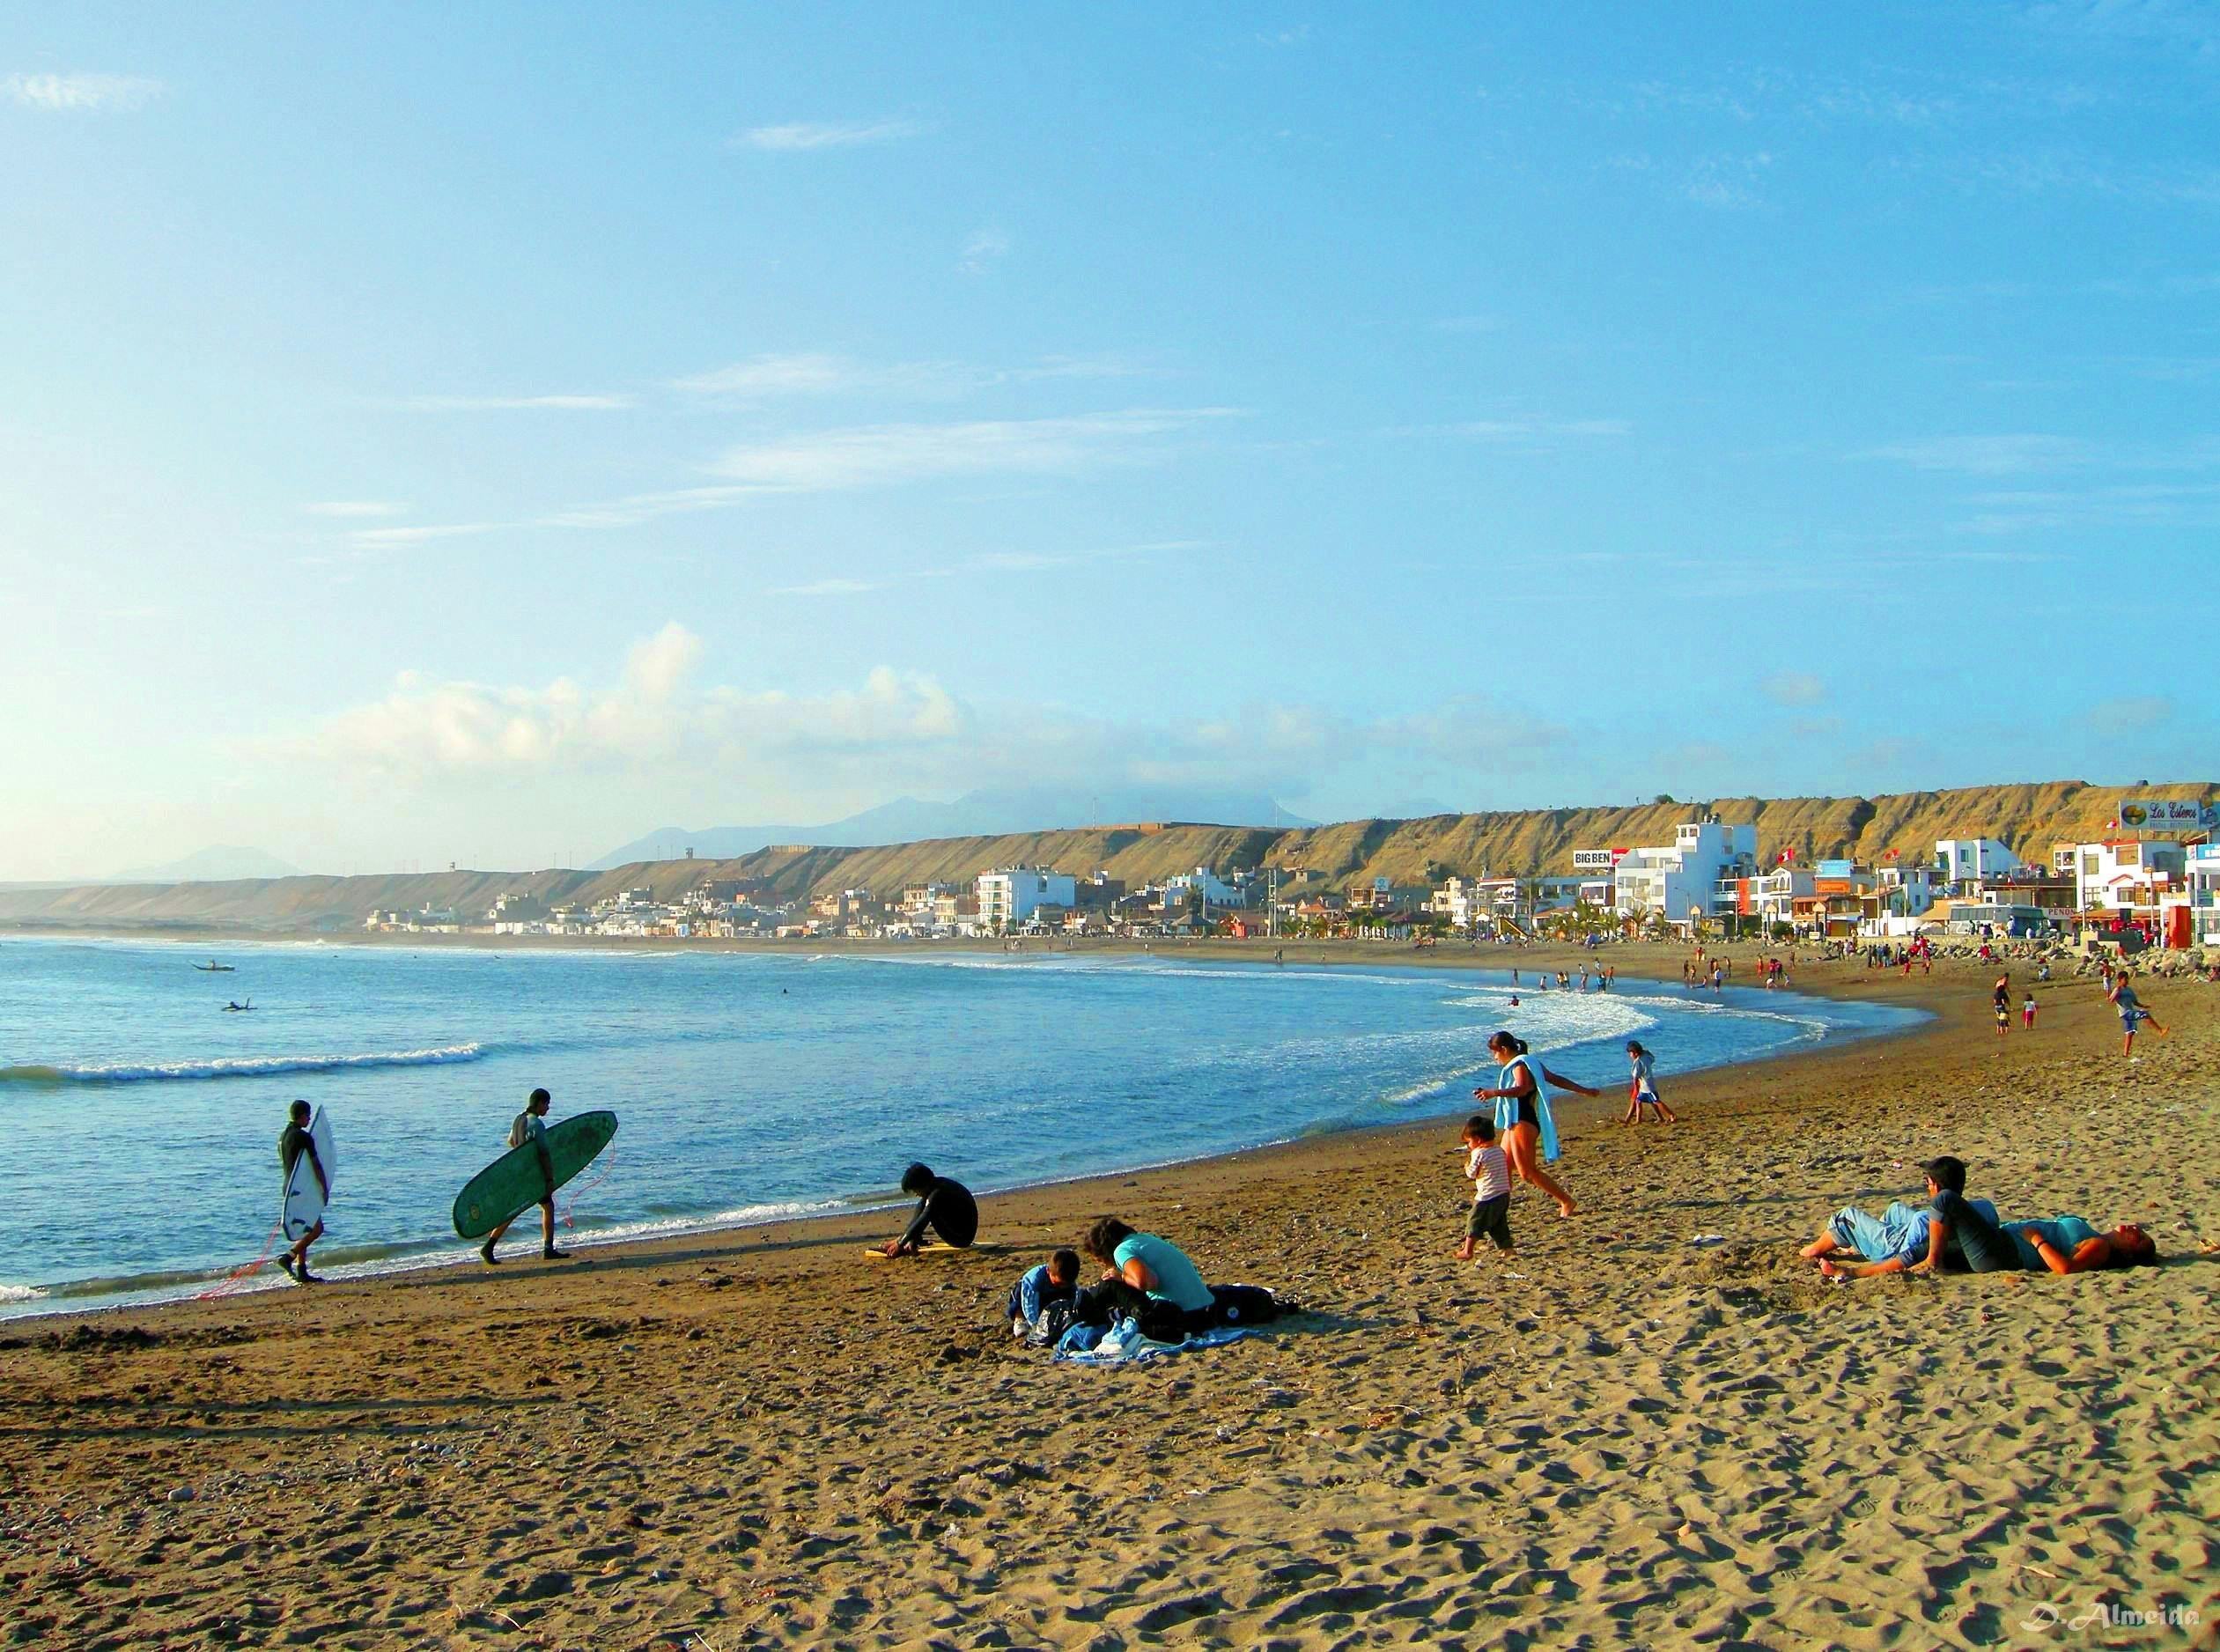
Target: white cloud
(651, 718)
(564, 403)
(1528, 429)
(1793, 688)
(893, 730)
(820, 374)
(354, 508)
(1726, 182)
(984, 249)
(389, 538)
(805, 135)
(875, 456)
(826, 588)
(814, 373)
(2133, 714)
(80, 94)
(1999, 456)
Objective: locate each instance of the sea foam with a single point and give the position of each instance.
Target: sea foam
(235, 1066)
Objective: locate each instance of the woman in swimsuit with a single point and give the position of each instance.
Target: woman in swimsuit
(1522, 1115)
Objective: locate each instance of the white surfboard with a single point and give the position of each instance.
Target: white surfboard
(304, 1195)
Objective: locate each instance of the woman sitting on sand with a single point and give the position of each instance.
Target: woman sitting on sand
(1523, 1117)
(1150, 1278)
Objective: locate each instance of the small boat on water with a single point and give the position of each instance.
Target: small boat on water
(213, 968)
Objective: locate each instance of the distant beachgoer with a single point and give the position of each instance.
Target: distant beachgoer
(292, 1141)
(2027, 1014)
(1150, 1278)
(1488, 1168)
(1523, 1114)
(1641, 1090)
(943, 1205)
(530, 1129)
(2132, 1014)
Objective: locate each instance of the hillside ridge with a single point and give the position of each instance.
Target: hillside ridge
(2029, 817)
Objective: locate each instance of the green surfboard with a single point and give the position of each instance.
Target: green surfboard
(514, 1181)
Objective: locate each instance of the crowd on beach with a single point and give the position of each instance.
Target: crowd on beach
(1151, 1290)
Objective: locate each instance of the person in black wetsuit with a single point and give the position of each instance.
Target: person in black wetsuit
(292, 1142)
(945, 1207)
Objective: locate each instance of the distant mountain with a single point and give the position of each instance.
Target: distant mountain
(974, 815)
(220, 863)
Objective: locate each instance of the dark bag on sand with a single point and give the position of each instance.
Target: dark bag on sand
(1244, 1305)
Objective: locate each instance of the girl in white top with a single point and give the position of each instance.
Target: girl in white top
(1641, 1090)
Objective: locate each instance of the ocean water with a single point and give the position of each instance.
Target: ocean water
(143, 1120)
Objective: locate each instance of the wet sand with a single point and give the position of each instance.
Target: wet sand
(1615, 1438)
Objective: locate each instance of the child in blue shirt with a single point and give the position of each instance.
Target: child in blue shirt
(1054, 1284)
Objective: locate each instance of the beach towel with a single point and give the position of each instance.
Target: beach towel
(1123, 1343)
(1507, 1106)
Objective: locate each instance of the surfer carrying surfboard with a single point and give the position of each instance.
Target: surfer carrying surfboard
(530, 1129)
(292, 1142)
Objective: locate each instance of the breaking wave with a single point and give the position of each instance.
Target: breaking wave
(235, 1066)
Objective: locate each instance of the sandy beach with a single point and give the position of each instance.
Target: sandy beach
(1615, 1438)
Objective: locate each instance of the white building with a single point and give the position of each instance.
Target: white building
(1967, 859)
(2128, 875)
(1909, 891)
(1688, 877)
(1203, 884)
(1009, 896)
(2202, 868)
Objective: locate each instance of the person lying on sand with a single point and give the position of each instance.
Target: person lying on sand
(1909, 1239)
(2067, 1244)
(943, 1205)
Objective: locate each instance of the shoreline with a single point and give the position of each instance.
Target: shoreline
(67, 1299)
(1616, 1437)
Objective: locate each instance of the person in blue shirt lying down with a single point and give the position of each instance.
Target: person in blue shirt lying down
(1909, 1240)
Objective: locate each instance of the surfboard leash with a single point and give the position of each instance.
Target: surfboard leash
(230, 1281)
(571, 1204)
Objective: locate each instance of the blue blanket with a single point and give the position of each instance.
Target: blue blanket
(1123, 1344)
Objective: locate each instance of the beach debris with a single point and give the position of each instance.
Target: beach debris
(182, 1493)
(1708, 1239)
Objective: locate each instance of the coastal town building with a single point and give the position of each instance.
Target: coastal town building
(1009, 896)
(1959, 860)
(1684, 881)
(2199, 924)
(1201, 888)
(2124, 879)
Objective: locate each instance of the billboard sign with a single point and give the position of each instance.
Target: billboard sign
(1597, 859)
(2163, 814)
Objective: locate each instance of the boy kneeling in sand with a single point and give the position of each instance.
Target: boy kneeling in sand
(1489, 1168)
(1037, 1299)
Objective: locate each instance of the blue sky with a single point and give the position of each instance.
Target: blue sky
(485, 434)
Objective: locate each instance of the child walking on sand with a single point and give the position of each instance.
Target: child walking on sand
(2027, 1014)
(1489, 1168)
(1642, 1088)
